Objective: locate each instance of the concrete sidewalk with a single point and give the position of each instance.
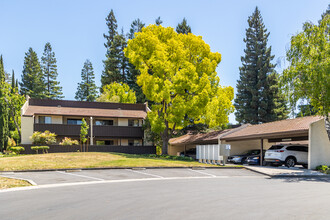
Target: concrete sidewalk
(285, 172)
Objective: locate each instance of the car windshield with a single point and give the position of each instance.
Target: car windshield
(276, 147)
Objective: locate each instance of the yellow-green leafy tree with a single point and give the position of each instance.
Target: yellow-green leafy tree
(178, 74)
(118, 93)
(308, 76)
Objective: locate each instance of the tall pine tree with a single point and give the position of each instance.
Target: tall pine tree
(87, 90)
(114, 64)
(258, 98)
(4, 129)
(136, 26)
(32, 83)
(49, 69)
(183, 27)
(13, 85)
(158, 21)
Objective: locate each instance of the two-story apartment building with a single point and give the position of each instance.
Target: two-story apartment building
(109, 123)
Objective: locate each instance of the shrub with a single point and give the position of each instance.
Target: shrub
(158, 150)
(43, 138)
(11, 143)
(43, 148)
(323, 169)
(17, 150)
(170, 157)
(69, 141)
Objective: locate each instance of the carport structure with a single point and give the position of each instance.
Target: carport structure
(303, 130)
(190, 140)
(263, 136)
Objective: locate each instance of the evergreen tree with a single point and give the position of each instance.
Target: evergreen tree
(32, 78)
(278, 103)
(49, 69)
(87, 90)
(258, 98)
(13, 85)
(4, 129)
(158, 21)
(123, 64)
(114, 43)
(183, 27)
(136, 26)
(305, 110)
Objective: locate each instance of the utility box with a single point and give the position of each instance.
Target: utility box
(212, 153)
(224, 152)
(225, 149)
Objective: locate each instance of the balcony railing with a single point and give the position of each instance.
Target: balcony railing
(105, 131)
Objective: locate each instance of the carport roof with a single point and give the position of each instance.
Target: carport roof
(284, 128)
(203, 138)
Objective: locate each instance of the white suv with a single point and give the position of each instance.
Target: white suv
(289, 155)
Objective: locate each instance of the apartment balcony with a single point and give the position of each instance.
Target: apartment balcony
(101, 131)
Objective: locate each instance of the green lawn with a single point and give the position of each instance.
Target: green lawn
(88, 160)
(9, 183)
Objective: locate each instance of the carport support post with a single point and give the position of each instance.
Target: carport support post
(261, 152)
(184, 150)
(91, 124)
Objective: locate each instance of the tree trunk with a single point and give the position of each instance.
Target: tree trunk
(165, 138)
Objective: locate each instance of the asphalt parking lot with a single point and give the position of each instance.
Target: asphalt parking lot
(58, 177)
(165, 194)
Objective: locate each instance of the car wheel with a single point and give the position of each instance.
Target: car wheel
(243, 161)
(305, 166)
(290, 162)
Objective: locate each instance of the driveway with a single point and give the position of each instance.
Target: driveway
(59, 177)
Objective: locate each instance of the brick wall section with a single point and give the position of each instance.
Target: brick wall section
(95, 148)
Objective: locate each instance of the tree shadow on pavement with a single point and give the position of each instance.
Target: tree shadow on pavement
(324, 179)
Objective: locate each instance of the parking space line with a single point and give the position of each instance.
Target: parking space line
(135, 171)
(73, 174)
(208, 174)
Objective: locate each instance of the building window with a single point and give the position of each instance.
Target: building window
(133, 142)
(133, 122)
(106, 142)
(71, 121)
(103, 122)
(45, 120)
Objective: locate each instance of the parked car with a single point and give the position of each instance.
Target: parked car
(255, 160)
(189, 153)
(287, 154)
(241, 158)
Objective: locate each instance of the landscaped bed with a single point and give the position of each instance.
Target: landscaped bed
(10, 183)
(91, 160)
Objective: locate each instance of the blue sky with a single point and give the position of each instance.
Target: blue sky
(75, 29)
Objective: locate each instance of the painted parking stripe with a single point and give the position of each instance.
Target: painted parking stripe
(149, 174)
(56, 185)
(208, 174)
(73, 174)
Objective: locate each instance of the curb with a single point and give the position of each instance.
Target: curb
(116, 168)
(18, 178)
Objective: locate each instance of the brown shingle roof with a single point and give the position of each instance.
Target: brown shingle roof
(202, 138)
(94, 112)
(289, 127)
